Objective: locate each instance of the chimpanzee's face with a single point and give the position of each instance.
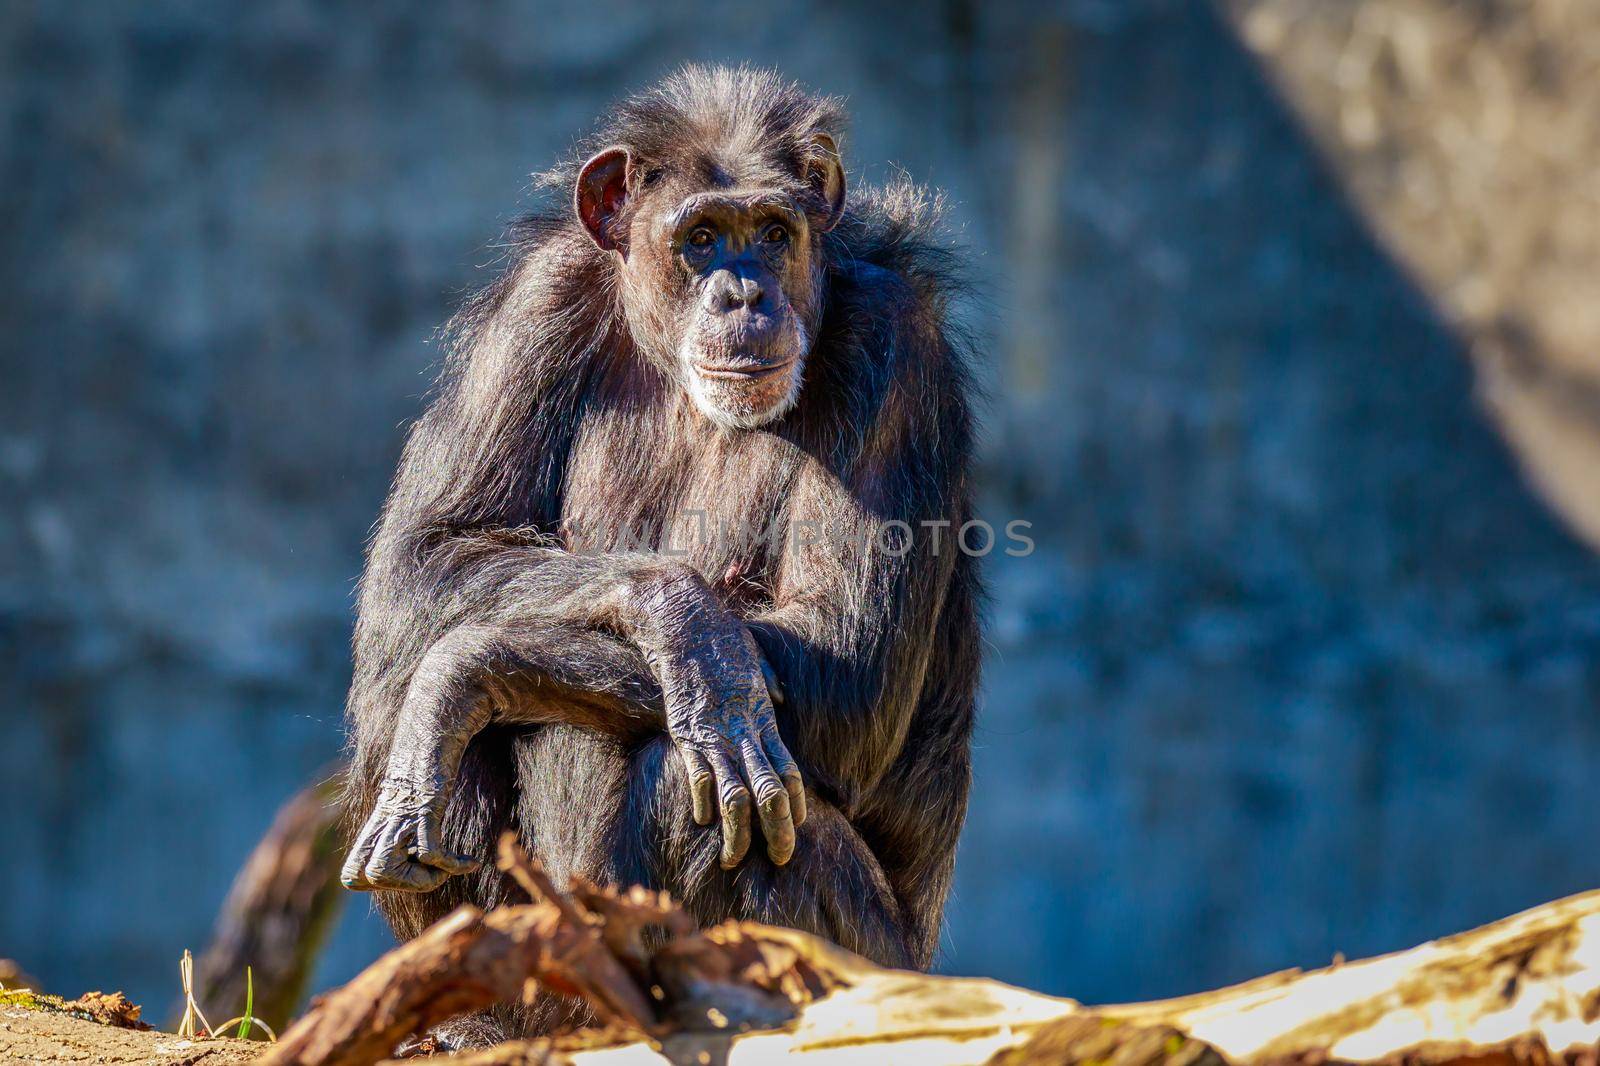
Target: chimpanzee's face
(721, 278)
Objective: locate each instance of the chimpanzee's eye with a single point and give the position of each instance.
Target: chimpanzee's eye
(775, 235)
(702, 237)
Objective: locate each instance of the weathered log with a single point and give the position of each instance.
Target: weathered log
(466, 962)
(1525, 990)
(1535, 975)
(278, 913)
(13, 976)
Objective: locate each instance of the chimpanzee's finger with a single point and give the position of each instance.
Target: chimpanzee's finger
(774, 690)
(406, 875)
(772, 802)
(428, 852)
(392, 867)
(351, 875)
(378, 871)
(701, 785)
(785, 767)
(735, 800)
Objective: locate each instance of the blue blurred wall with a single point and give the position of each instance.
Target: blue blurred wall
(1300, 665)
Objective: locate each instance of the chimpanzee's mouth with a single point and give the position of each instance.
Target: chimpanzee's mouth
(742, 371)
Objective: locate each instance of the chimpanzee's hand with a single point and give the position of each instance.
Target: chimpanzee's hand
(719, 714)
(399, 848)
(718, 690)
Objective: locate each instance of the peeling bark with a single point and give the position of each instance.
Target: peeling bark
(1525, 990)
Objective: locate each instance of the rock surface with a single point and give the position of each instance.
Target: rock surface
(1299, 656)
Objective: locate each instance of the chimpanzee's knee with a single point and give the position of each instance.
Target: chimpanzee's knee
(833, 885)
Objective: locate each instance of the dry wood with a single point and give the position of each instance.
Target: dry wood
(463, 963)
(578, 961)
(1525, 990)
(466, 962)
(278, 912)
(13, 976)
(1536, 974)
(592, 943)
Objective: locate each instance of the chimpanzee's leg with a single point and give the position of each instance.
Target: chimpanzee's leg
(833, 886)
(621, 817)
(569, 784)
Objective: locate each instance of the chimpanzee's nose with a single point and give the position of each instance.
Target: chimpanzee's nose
(732, 293)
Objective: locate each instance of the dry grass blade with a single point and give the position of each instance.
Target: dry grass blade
(191, 1010)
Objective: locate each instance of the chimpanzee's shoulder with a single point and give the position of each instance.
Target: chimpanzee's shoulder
(546, 265)
(896, 236)
(900, 277)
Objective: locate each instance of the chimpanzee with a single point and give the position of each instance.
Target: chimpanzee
(664, 550)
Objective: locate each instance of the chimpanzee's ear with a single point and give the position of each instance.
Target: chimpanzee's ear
(602, 190)
(824, 172)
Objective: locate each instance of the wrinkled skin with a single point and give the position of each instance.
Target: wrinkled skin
(720, 716)
(722, 283)
(718, 691)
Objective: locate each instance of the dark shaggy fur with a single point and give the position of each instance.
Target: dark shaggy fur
(546, 421)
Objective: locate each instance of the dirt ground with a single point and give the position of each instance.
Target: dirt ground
(32, 1036)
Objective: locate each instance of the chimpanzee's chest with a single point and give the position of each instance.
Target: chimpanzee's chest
(665, 481)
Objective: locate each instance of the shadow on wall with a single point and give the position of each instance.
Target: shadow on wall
(1297, 655)
(1303, 653)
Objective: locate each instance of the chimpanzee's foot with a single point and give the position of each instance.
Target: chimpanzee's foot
(469, 1032)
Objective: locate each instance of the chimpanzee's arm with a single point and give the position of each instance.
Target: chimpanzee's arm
(625, 643)
(849, 645)
(868, 565)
